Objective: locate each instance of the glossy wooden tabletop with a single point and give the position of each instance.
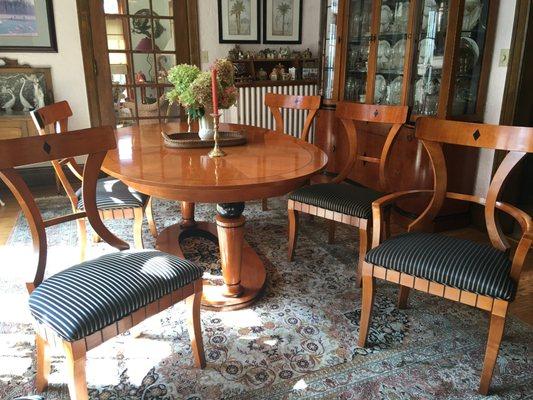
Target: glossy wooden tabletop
(270, 164)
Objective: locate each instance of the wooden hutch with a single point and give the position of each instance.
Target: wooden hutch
(432, 55)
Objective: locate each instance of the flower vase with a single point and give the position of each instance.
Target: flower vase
(207, 127)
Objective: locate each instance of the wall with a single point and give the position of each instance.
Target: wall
(68, 78)
(208, 12)
(495, 90)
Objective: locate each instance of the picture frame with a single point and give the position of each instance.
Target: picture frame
(27, 27)
(23, 88)
(282, 21)
(239, 21)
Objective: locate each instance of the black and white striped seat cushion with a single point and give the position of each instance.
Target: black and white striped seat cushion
(94, 294)
(113, 193)
(339, 197)
(460, 263)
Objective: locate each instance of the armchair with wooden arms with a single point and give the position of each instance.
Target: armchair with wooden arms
(346, 203)
(115, 200)
(87, 304)
(479, 275)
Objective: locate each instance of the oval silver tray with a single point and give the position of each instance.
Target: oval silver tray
(191, 140)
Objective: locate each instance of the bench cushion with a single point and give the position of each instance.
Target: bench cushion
(89, 296)
(112, 194)
(339, 197)
(459, 263)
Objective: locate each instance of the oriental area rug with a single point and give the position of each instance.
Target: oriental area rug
(299, 341)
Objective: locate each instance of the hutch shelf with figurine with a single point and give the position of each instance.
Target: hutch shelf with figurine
(431, 55)
(270, 67)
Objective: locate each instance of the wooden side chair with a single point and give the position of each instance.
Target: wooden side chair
(346, 203)
(114, 199)
(480, 275)
(82, 306)
(275, 102)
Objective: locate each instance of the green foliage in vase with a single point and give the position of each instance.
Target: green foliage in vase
(192, 88)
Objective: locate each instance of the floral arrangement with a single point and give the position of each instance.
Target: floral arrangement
(192, 87)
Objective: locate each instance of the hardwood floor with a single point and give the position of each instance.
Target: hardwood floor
(521, 307)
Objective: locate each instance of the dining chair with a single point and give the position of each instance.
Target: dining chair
(343, 202)
(472, 273)
(87, 304)
(115, 200)
(276, 102)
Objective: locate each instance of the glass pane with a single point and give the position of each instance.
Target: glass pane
(164, 34)
(120, 74)
(114, 7)
(141, 34)
(162, 8)
(330, 48)
(164, 63)
(136, 6)
(144, 68)
(146, 97)
(430, 58)
(124, 107)
(391, 51)
(471, 47)
(116, 32)
(358, 48)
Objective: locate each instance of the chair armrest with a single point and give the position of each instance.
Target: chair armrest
(385, 201)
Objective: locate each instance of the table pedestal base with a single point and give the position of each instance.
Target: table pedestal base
(242, 269)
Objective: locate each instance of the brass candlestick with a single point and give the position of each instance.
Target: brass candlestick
(217, 151)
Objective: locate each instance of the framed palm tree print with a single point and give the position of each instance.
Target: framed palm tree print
(282, 21)
(238, 21)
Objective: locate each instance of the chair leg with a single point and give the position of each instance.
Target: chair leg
(77, 384)
(96, 238)
(150, 218)
(293, 232)
(138, 228)
(496, 328)
(194, 324)
(331, 231)
(366, 304)
(42, 350)
(403, 297)
(364, 243)
(264, 204)
(82, 236)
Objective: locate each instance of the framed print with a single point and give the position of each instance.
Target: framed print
(27, 26)
(282, 21)
(238, 21)
(23, 88)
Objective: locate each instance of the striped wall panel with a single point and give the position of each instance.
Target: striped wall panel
(251, 109)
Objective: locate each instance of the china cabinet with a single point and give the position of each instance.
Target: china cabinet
(432, 55)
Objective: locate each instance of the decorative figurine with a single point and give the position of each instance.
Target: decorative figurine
(262, 74)
(284, 52)
(307, 53)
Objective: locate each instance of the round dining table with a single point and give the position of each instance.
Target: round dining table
(268, 165)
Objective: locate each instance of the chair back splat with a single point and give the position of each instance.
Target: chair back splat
(517, 140)
(275, 102)
(95, 143)
(350, 113)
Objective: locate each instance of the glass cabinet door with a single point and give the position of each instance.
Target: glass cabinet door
(429, 57)
(357, 52)
(469, 61)
(392, 42)
(330, 48)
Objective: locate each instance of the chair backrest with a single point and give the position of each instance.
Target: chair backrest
(518, 141)
(350, 113)
(275, 102)
(95, 143)
(54, 119)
